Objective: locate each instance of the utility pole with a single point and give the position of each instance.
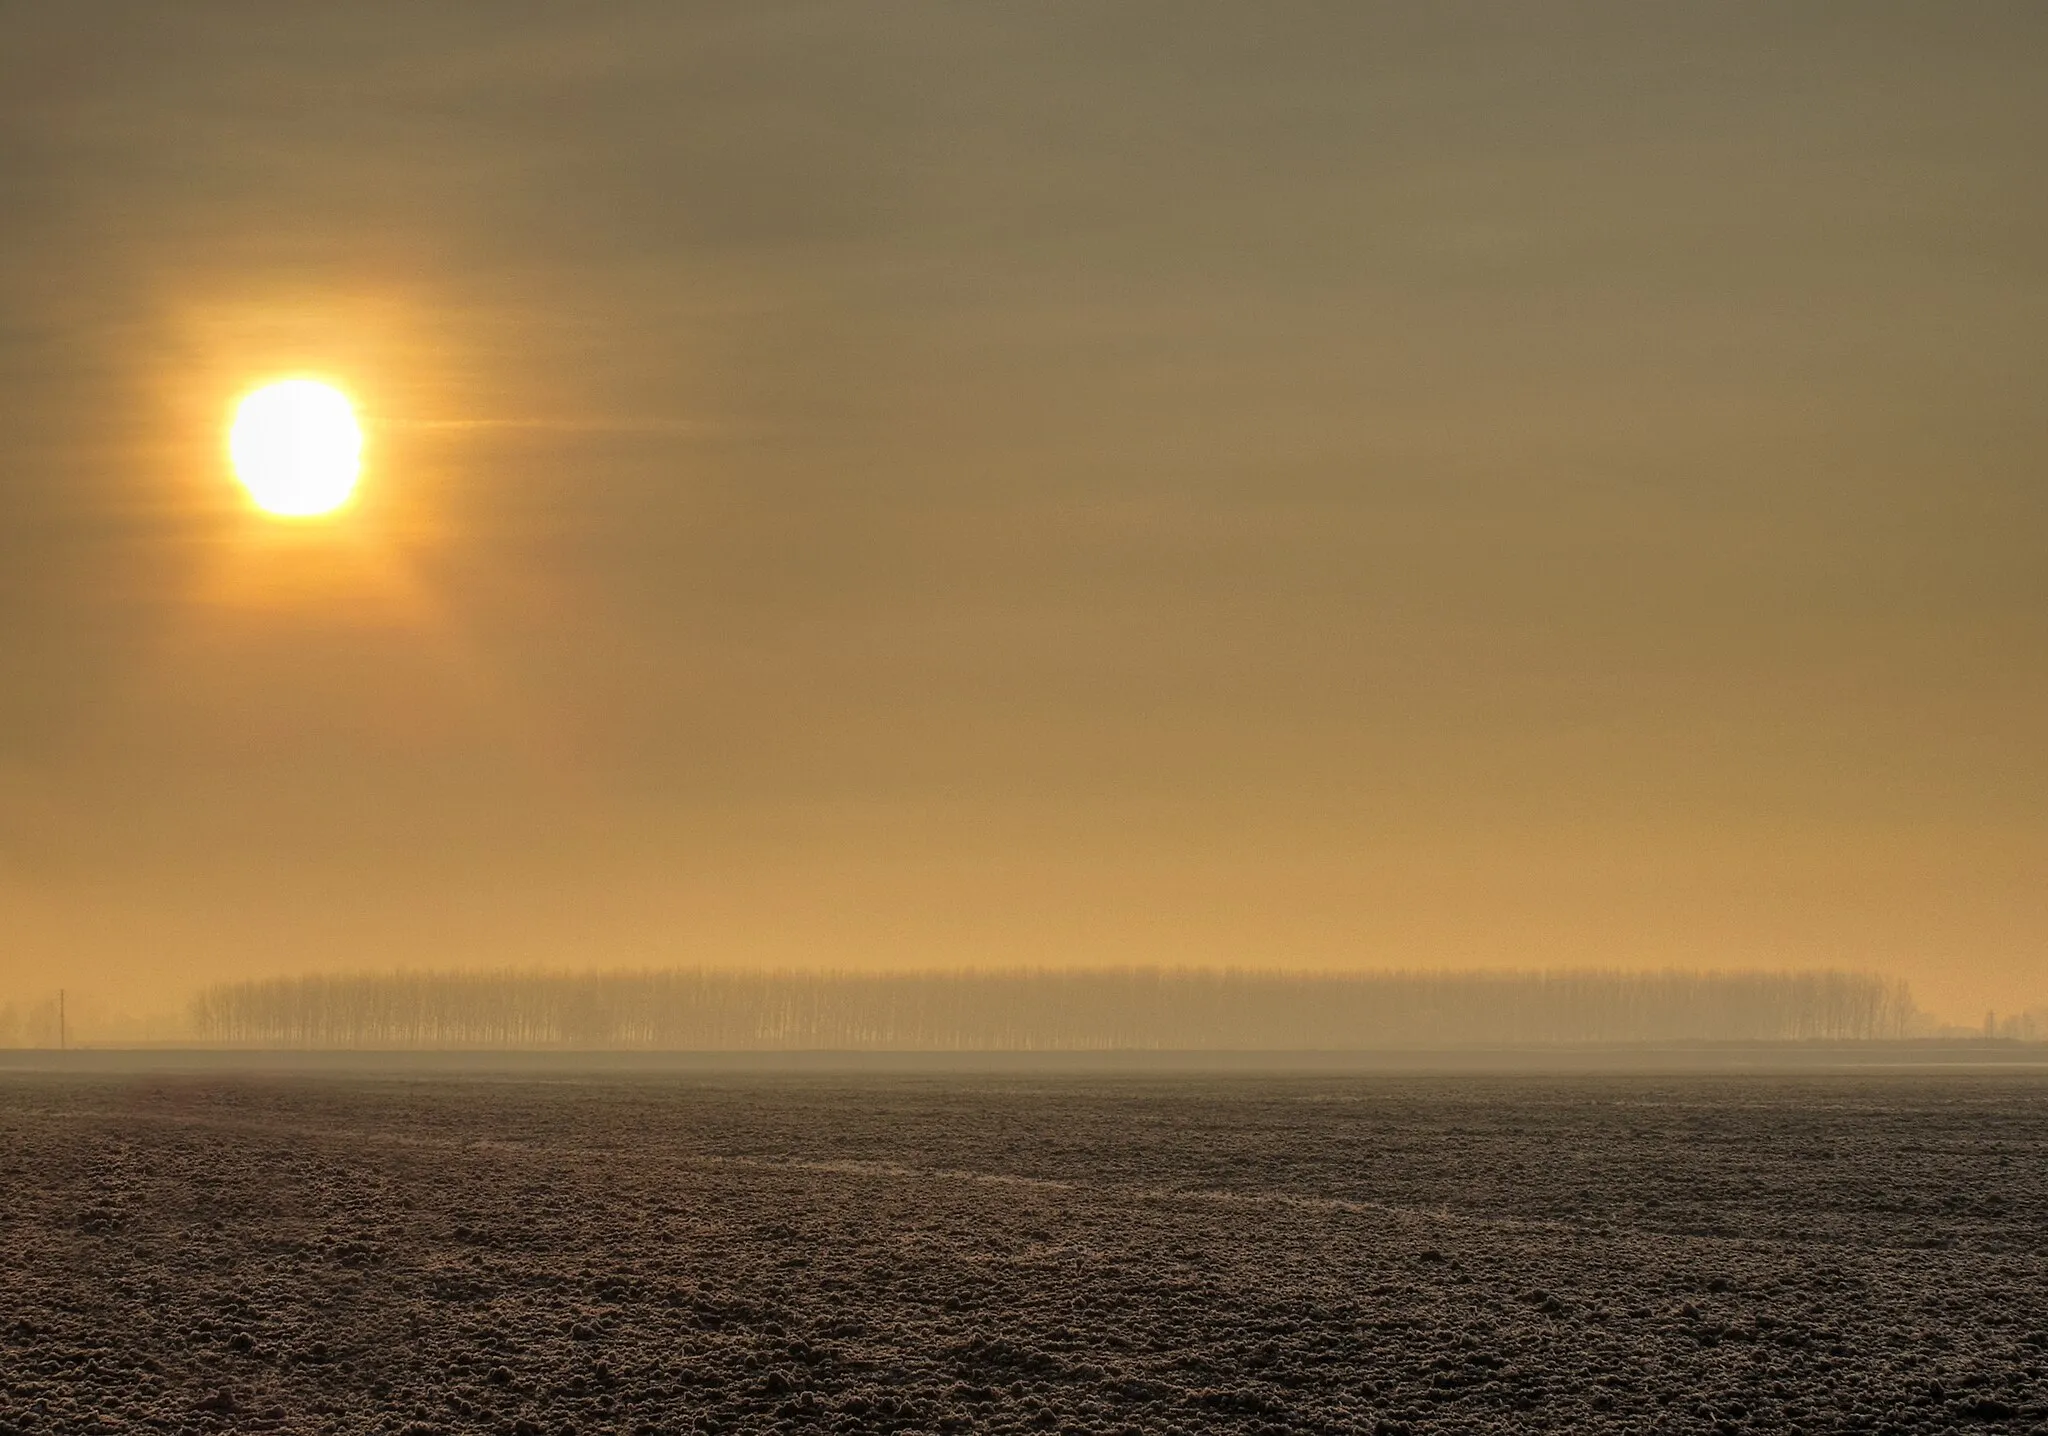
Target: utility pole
(60, 1019)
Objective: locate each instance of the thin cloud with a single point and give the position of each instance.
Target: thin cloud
(564, 426)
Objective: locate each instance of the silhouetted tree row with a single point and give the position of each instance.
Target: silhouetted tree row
(32, 1024)
(1042, 1010)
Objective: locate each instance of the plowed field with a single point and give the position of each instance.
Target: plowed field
(1150, 1255)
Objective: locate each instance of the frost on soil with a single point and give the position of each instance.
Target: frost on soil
(1366, 1254)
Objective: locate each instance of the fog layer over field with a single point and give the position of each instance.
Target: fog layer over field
(1044, 1010)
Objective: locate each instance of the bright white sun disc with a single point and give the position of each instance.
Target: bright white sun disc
(296, 448)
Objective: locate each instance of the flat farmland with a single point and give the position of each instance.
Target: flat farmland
(1307, 1254)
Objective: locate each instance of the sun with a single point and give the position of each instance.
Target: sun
(297, 448)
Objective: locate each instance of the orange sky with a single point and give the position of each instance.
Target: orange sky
(929, 484)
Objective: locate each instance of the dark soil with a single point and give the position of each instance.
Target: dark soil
(1370, 1254)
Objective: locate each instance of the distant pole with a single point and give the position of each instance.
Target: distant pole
(60, 1019)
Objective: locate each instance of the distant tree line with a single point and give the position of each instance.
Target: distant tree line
(30, 1024)
(1042, 1009)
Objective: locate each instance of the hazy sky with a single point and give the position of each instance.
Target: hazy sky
(1310, 485)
